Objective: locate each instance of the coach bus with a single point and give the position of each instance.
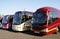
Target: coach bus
(46, 20)
(7, 22)
(1, 21)
(22, 21)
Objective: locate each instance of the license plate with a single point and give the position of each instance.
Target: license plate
(36, 32)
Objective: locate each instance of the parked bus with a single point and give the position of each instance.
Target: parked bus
(7, 22)
(22, 21)
(46, 20)
(1, 21)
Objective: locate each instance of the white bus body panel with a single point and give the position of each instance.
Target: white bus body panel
(18, 27)
(21, 26)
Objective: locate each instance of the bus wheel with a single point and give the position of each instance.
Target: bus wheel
(59, 29)
(56, 31)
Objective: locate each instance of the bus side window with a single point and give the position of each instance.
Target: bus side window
(25, 18)
(50, 19)
(53, 15)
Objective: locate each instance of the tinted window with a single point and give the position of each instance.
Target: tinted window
(39, 17)
(5, 19)
(25, 16)
(58, 14)
(53, 15)
(28, 13)
(17, 18)
(20, 17)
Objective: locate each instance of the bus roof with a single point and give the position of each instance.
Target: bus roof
(24, 11)
(47, 9)
(10, 16)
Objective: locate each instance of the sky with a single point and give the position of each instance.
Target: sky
(12, 6)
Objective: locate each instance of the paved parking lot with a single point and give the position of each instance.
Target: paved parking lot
(5, 34)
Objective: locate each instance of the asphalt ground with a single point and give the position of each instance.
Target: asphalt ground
(8, 34)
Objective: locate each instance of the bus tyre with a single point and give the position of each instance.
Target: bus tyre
(59, 29)
(56, 31)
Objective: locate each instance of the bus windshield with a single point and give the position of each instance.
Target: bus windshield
(28, 13)
(5, 19)
(39, 18)
(17, 18)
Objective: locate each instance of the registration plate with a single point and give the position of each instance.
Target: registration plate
(36, 32)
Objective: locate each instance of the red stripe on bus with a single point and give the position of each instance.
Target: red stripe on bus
(51, 27)
(39, 28)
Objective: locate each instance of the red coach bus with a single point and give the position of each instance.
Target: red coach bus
(7, 21)
(46, 20)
